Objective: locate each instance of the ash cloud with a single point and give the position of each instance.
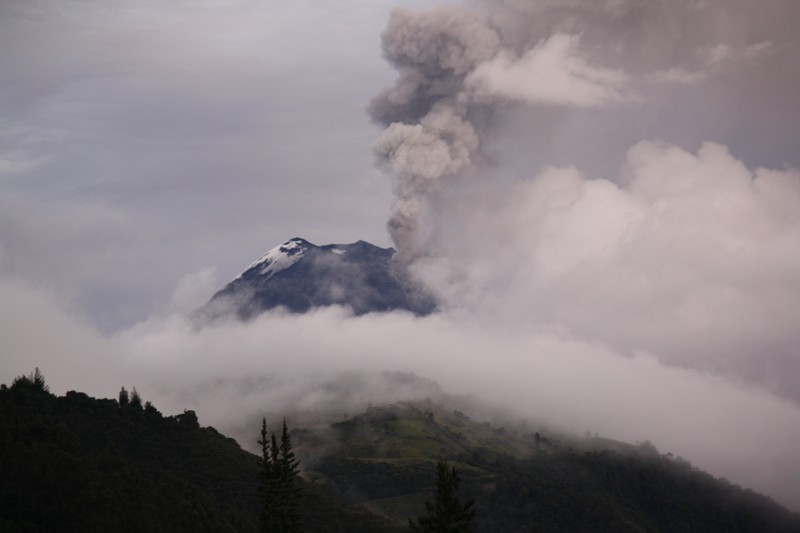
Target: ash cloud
(457, 67)
(452, 64)
(684, 251)
(614, 189)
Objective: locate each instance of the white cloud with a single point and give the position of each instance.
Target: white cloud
(554, 72)
(233, 373)
(694, 259)
(677, 75)
(757, 50)
(18, 162)
(193, 290)
(718, 53)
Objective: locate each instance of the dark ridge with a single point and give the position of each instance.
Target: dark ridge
(76, 463)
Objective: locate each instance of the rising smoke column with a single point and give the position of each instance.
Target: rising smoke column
(451, 61)
(428, 134)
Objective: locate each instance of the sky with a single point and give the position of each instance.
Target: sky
(604, 196)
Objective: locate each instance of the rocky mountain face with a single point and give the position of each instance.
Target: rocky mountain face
(299, 276)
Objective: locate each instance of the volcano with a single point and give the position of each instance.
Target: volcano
(299, 276)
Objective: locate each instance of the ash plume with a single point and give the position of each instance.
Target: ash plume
(622, 170)
(450, 62)
(457, 69)
(428, 135)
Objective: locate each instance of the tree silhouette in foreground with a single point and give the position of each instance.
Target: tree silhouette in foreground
(278, 490)
(446, 514)
(35, 381)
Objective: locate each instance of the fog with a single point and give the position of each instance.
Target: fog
(232, 373)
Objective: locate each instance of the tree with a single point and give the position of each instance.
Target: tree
(38, 381)
(35, 382)
(123, 397)
(266, 488)
(446, 514)
(278, 489)
(188, 418)
(288, 470)
(136, 400)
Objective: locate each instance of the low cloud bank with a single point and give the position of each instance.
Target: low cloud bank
(230, 373)
(691, 257)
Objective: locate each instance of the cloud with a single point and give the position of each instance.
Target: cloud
(683, 255)
(36, 329)
(692, 258)
(193, 290)
(452, 64)
(676, 75)
(756, 50)
(718, 53)
(553, 72)
(232, 373)
(17, 162)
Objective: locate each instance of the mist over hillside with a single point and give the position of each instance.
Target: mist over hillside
(74, 462)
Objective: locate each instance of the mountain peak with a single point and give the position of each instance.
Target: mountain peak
(298, 276)
(280, 257)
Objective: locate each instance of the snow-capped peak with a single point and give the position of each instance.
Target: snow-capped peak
(299, 276)
(279, 258)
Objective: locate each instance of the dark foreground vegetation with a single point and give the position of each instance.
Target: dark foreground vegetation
(74, 463)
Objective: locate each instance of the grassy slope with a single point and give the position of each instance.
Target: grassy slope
(383, 459)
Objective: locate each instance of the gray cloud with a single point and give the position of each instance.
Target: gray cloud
(531, 53)
(682, 255)
(449, 62)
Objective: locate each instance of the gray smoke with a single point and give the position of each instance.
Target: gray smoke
(451, 62)
(428, 135)
(624, 170)
(457, 68)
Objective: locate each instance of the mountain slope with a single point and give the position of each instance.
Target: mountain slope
(298, 276)
(76, 463)
(384, 460)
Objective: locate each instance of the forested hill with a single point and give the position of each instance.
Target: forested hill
(74, 463)
(525, 482)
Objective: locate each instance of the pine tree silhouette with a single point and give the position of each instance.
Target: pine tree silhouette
(278, 491)
(446, 514)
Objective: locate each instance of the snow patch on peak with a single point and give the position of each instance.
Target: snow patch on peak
(297, 244)
(338, 251)
(279, 258)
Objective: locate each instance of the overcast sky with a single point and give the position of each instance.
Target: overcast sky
(604, 195)
(146, 141)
